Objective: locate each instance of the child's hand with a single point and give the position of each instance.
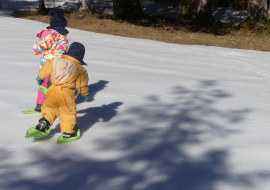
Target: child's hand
(85, 98)
(39, 80)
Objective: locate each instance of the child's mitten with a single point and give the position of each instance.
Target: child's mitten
(39, 80)
(85, 98)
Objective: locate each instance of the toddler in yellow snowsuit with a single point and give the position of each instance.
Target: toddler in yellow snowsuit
(66, 74)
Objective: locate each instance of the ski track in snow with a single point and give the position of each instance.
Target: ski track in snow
(160, 117)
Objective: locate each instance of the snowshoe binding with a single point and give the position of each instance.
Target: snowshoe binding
(40, 130)
(66, 137)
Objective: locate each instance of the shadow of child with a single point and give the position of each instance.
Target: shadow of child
(93, 89)
(93, 115)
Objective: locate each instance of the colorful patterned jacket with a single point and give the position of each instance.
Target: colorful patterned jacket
(50, 45)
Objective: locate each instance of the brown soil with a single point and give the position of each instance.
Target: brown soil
(164, 30)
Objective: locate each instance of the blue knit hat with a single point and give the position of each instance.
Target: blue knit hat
(77, 51)
(57, 20)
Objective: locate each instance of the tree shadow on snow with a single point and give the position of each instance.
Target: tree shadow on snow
(162, 145)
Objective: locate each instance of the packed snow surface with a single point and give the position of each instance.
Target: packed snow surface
(160, 117)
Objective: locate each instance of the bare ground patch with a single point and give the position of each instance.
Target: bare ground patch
(164, 30)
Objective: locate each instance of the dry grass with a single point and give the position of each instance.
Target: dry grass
(163, 31)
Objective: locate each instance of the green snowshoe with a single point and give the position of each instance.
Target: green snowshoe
(33, 111)
(40, 130)
(66, 137)
(33, 132)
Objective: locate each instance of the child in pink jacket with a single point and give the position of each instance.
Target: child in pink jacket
(51, 42)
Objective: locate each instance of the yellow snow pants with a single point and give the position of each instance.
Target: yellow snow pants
(60, 102)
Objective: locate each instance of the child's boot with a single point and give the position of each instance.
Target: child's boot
(67, 137)
(38, 108)
(40, 130)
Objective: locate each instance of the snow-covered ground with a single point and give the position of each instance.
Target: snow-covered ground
(25, 5)
(160, 9)
(5, 13)
(229, 15)
(104, 6)
(161, 117)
